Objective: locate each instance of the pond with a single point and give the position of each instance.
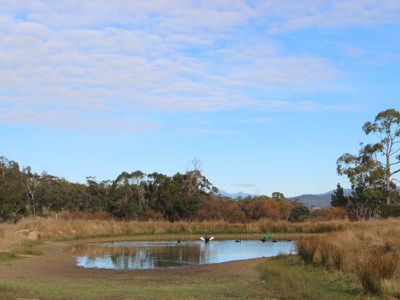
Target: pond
(154, 255)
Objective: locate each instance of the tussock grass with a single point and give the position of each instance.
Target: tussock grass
(306, 249)
(369, 249)
(64, 229)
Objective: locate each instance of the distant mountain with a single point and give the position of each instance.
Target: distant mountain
(320, 200)
(235, 195)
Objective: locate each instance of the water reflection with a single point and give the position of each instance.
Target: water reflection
(151, 255)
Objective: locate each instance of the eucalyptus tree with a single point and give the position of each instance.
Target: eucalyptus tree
(128, 195)
(12, 197)
(32, 181)
(278, 196)
(377, 165)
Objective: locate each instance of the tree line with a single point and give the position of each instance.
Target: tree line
(374, 171)
(133, 196)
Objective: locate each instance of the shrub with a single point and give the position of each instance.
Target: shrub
(306, 249)
(299, 213)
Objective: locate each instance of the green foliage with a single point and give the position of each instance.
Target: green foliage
(278, 196)
(338, 198)
(372, 172)
(299, 213)
(12, 197)
(133, 196)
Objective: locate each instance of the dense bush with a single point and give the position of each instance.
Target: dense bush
(299, 213)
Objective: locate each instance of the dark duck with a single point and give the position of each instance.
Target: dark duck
(207, 239)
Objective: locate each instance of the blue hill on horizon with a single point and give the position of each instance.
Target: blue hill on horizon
(319, 200)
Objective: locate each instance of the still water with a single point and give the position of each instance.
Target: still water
(152, 255)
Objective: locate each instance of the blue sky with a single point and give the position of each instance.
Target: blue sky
(266, 94)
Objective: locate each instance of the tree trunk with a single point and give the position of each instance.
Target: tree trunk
(388, 173)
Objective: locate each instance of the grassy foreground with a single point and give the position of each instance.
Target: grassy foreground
(283, 277)
(337, 261)
(289, 279)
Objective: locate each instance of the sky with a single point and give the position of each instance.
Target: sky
(265, 94)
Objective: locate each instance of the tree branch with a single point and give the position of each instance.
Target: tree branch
(395, 172)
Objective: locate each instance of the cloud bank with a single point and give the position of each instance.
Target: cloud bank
(96, 63)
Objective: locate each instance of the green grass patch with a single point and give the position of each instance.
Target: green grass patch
(7, 256)
(287, 278)
(27, 247)
(238, 287)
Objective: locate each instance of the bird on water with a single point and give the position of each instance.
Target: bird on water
(207, 239)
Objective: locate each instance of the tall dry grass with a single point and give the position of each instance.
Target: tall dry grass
(73, 228)
(370, 248)
(306, 248)
(9, 237)
(376, 266)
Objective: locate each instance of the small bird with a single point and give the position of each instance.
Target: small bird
(178, 241)
(238, 241)
(264, 238)
(206, 239)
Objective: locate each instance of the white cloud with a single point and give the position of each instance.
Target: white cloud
(56, 119)
(130, 56)
(334, 14)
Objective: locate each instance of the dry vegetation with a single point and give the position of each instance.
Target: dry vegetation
(73, 228)
(9, 237)
(369, 249)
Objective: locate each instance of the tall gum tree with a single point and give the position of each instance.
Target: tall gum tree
(377, 162)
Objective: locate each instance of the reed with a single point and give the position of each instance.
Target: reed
(73, 227)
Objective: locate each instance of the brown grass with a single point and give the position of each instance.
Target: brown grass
(370, 249)
(306, 249)
(9, 237)
(74, 228)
